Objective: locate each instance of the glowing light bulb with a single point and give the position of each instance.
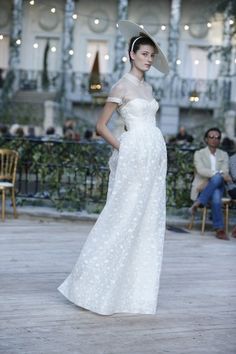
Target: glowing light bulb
(186, 27)
(31, 2)
(35, 45)
(1, 37)
(178, 61)
(141, 26)
(209, 24)
(163, 27)
(217, 61)
(96, 21)
(88, 55)
(53, 49)
(53, 10)
(71, 52)
(196, 62)
(231, 22)
(106, 57)
(18, 41)
(124, 59)
(74, 16)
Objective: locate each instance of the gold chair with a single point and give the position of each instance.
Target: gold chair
(8, 164)
(225, 204)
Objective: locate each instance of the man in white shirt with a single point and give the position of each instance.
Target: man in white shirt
(211, 171)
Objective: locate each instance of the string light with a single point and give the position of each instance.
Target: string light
(186, 27)
(163, 27)
(196, 62)
(178, 61)
(96, 21)
(53, 49)
(217, 62)
(235, 60)
(124, 59)
(18, 41)
(117, 26)
(53, 10)
(106, 57)
(141, 26)
(88, 55)
(1, 37)
(71, 52)
(74, 16)
(35, 45)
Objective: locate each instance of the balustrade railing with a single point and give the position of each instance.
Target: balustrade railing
(209, 92)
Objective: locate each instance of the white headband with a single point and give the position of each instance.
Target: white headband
(132, 47)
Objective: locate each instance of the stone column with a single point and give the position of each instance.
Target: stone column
(169, 107)
(226, 56)
(173, 44)
(11, 84)
(229, 120)
(120, 42)
(67, 46)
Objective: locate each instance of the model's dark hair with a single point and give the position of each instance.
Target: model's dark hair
(215, 129)
(141, 41)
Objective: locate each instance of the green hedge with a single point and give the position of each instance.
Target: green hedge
(75, 176)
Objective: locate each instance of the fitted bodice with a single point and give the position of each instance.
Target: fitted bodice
(139, 112)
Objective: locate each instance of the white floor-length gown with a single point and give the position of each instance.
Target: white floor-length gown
(118, 269)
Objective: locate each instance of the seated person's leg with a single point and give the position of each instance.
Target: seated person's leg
(204, 197)
(214, 183)
(216, 203)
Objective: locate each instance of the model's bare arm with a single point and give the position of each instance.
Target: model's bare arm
(101, 126)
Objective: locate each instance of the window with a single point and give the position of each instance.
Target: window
(4, 52)
(92, 48)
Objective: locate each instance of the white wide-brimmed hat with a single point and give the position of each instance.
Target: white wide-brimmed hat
(130, 29)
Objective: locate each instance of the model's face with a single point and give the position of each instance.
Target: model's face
(144, 57)
(213, 139)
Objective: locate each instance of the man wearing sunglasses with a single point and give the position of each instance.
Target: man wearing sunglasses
(211, 172)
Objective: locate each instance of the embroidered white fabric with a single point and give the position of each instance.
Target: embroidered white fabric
(119, 267)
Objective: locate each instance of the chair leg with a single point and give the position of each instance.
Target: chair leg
(227, 218)
(3, 204)
(204, 213)
(190, 225)
(14, 202)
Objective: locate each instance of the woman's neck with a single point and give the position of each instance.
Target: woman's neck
(137, 73)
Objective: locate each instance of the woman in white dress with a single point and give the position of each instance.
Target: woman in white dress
(118, 269)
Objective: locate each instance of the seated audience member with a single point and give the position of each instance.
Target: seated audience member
(19, 133)
(31, 132)
(183, 137)
(70, 124)
(211, 171)
(69, 135)
(227, 144)
(4, 131)
(231, 186)
(51, 135)
(88, 135)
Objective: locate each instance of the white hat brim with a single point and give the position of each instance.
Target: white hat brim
(130, 29)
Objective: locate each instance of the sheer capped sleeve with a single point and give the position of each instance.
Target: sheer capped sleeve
(116, 94)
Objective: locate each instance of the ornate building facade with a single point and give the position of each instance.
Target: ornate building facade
(71, 52)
